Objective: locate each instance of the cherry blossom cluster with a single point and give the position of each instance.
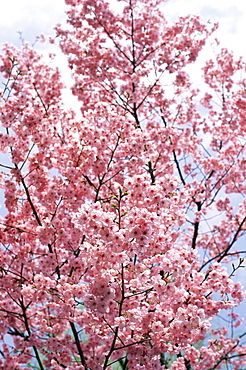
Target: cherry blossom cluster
(122, 223)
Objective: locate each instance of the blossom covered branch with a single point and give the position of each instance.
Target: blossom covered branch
(123, 223)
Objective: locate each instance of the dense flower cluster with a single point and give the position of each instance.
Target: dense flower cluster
(119, 241)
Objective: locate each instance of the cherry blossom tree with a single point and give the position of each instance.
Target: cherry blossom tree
(123, 223)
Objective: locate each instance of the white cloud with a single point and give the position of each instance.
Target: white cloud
(30, 17)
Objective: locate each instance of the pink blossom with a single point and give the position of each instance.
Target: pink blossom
(121, 230)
